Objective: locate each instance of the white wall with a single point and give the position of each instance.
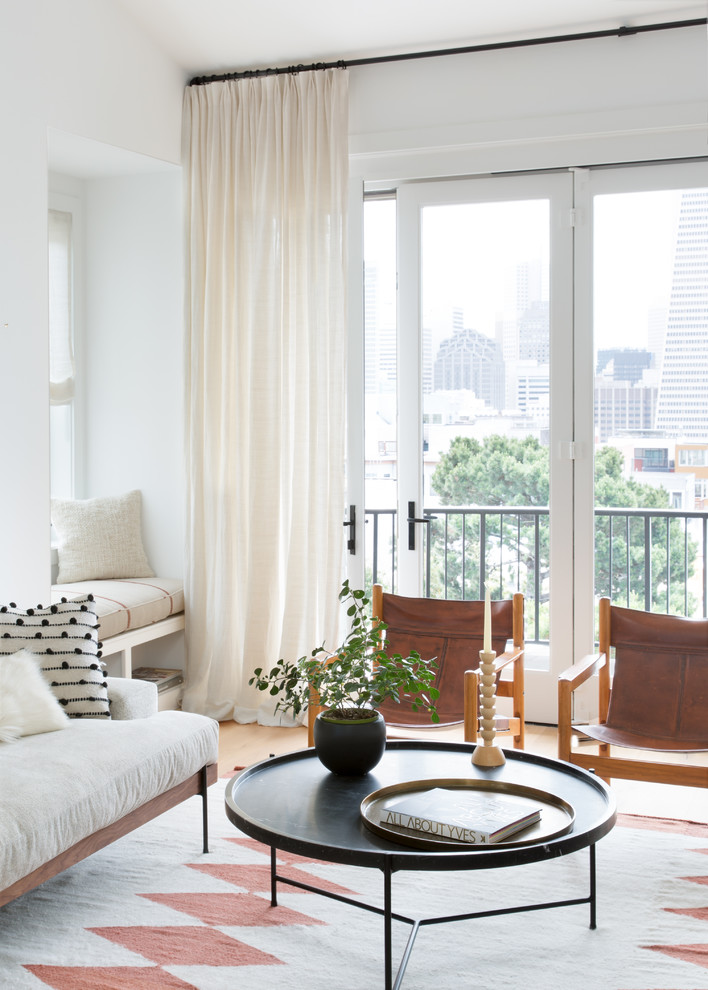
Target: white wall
(83, 67)
(133, 354)
(571, 104)
(24, 503)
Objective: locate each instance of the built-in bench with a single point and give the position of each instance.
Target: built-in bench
(131, 611)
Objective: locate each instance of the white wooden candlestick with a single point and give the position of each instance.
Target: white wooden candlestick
(487, 754)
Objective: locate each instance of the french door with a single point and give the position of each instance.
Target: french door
(469, 368)
(487, 312)
(644, 341)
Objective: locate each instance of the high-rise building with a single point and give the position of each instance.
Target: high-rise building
(623, 364)
(623, 408)
(523, 325)
(473, 362)
(682, 405)
(379, 337)
(656, 334)
(534, 335)
(532, 387)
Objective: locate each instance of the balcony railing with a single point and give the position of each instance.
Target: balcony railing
(651, 559)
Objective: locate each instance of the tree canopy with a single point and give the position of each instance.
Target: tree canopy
(498, 471)
(507, 471)
(511, 471)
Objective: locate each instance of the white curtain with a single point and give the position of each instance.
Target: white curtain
(266, 178)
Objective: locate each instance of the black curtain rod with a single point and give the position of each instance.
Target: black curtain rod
(524, 43)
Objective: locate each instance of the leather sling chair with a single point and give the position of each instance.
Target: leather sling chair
(655, 700)
(452, 632)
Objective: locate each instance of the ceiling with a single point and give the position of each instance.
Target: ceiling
(211, 36)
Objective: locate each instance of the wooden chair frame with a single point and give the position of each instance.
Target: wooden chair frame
(603, 763)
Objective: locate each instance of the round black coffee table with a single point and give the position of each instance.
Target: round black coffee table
(293, 803)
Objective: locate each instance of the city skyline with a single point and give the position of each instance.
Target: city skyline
(650, 272)
(634, 238)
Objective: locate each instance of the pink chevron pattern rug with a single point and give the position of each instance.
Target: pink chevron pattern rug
(152, 911)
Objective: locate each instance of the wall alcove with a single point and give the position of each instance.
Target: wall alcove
(128, 339)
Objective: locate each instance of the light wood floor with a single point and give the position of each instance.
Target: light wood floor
(241, 745)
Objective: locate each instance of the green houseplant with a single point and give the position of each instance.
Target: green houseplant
(350, 682)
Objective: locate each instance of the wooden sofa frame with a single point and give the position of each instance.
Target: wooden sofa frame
(196, 784)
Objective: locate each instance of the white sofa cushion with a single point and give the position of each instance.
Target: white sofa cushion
(27, 704)
(55, 793)
(131, 698)
(100, 538)
(128, 603)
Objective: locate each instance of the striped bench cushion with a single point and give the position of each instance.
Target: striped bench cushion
(128, 603)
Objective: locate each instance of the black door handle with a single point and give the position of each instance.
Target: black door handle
(351, 522)
(412, 520)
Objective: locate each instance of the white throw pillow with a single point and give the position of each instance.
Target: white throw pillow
(100, 538)
(65, 639)
(27, 704)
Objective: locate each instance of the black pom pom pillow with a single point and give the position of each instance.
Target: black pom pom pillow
(65, 639)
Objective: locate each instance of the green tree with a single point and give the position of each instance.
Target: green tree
(514, 472)
(499, 471)
(474, 473)
(623, 571)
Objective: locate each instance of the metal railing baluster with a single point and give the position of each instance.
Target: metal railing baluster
(449, 569)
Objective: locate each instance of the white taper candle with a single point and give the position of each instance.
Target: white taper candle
(487, 623)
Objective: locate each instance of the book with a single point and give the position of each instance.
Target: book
(164, 677)
(460, 815)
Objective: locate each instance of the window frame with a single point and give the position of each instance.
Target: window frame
(65, 196)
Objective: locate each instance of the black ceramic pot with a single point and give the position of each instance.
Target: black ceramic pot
(350, 747)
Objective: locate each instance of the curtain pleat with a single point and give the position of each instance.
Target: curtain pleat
(266, 169)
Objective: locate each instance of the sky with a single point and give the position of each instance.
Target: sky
(470, 253)
(634, 240)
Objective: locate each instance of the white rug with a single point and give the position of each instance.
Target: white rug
(151, 911)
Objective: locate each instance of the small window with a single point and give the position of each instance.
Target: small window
(61, 353)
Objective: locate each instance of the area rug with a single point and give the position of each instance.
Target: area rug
(152, 911)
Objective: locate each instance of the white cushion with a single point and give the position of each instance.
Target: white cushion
(27, 704)
(100, 538)
(58, 790)
(127, 604)
(131, 698)
(65, 638)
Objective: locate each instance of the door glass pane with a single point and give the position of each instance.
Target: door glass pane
(651, 413)
(380, 372)
(485, 384)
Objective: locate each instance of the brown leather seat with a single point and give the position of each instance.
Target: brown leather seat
(452, 632)
(656, 699)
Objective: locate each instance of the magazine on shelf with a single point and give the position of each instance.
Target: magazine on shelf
(457, 814)
(164, 677)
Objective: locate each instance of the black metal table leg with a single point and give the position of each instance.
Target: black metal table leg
(389, 916)
(273, 887)
(593, 889)
(388, 960)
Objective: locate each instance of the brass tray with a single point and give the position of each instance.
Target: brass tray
(557, 815)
